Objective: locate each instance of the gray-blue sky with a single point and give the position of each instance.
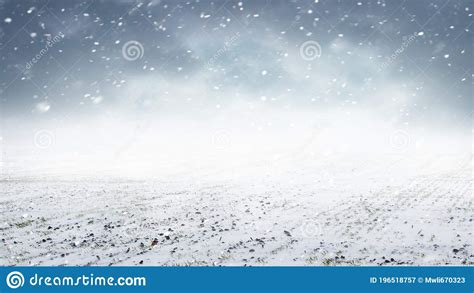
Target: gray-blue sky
(218, 52)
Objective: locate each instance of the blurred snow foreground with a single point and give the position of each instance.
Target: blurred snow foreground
(224, 197)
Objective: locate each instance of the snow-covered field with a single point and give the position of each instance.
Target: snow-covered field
(339, 210)
(236, 133)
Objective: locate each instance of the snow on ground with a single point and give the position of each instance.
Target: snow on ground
(373, 210)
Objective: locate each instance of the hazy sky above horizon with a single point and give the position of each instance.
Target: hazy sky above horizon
(156, 86)
(407, 60)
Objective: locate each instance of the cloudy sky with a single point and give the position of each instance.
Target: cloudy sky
(250, 63)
